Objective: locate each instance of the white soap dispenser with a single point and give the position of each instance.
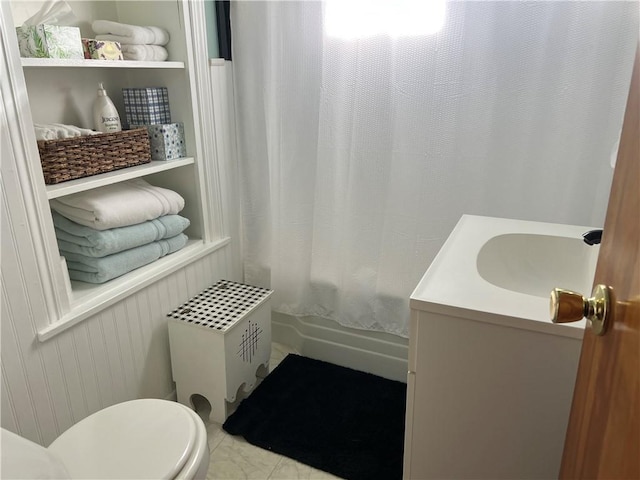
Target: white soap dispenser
(105, 115)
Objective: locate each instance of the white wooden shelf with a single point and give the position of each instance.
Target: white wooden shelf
(89, 299)
(88, 183)
(85, 63)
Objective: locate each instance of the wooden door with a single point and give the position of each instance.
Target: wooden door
(604, 429)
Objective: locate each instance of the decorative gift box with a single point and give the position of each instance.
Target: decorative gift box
(49, 41)
(101, 49)
(167, 141)
(146, 106)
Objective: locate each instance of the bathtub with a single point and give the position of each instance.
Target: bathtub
(490, 378)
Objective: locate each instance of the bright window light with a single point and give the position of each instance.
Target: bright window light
(350, 19)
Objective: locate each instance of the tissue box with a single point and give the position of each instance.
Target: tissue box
(101, 49)
(146, 106)
(49, 41)
(167, 141)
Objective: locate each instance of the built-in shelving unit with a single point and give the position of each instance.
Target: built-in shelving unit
(63, 90)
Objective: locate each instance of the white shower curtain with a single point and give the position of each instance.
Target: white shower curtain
(357, 157)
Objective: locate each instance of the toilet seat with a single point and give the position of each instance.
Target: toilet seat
(145, 438)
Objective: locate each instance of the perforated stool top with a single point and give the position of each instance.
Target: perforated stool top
(221, 305)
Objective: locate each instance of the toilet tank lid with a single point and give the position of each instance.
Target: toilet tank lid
(147, 438)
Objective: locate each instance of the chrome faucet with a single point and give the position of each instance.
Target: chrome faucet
(592, 237)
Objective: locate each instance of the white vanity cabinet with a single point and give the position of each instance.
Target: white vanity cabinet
(490, 378)
(63, 91)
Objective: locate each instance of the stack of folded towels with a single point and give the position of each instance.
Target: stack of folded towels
(137, 42)
(109, 231)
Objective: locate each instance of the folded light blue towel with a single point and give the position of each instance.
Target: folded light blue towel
(100, 270)
(75, 238)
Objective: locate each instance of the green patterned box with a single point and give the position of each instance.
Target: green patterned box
(49, 41)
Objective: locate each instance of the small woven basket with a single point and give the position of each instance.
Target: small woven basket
(69, 158)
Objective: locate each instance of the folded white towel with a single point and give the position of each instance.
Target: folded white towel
(129, 34)
(118, 205)
(45, 133)
(55, 131)
(149, 53)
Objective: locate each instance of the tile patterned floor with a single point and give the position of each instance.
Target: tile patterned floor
(233, 458)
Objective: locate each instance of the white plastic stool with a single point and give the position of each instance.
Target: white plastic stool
(218, 340)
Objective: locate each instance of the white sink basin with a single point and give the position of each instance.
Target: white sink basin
(535, 264)
(502, 271)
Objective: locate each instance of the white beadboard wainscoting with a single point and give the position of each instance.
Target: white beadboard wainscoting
(120, 354)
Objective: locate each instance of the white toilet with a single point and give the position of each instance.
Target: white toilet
(139, 439)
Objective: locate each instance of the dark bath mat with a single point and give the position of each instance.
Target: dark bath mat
(335, 419)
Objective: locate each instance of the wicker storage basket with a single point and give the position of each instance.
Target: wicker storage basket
(77, 157)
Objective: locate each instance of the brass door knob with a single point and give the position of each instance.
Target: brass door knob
(567, 306)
